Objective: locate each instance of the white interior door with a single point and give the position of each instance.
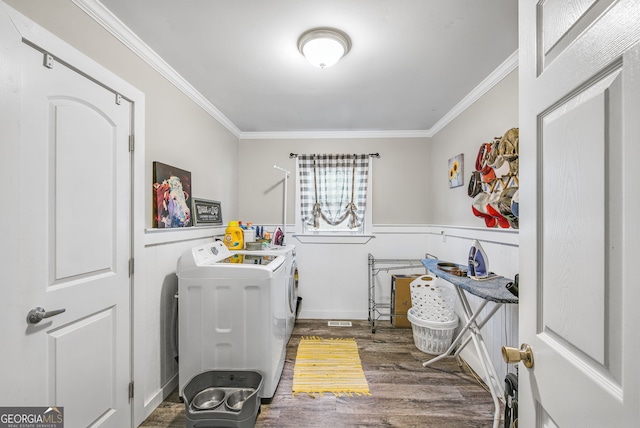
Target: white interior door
(580, 196)
(73, 245)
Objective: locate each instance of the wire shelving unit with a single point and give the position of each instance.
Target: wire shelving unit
(377, 309)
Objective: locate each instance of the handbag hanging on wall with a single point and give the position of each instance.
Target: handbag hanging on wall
(475, 184)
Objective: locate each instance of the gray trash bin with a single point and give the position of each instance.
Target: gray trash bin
(222, 398)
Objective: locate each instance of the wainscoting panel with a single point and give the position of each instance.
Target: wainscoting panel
(333, 286)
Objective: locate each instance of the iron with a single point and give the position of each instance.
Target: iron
(478, 261)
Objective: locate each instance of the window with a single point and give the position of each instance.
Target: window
(333, 194)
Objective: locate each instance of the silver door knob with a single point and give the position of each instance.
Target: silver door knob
(36, 315)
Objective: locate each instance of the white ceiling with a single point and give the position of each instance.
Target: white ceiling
(411, 61)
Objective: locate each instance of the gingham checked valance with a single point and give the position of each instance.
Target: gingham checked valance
(333, 187)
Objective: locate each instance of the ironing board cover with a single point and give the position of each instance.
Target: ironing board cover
(493, 289)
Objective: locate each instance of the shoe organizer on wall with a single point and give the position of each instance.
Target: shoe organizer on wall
(494, 184)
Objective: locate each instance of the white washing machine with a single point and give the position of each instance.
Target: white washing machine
(229, 315)
(290, 296)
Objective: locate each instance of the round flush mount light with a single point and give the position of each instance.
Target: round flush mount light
(323, 47)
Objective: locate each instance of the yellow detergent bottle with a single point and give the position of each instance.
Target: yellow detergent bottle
(234, 236)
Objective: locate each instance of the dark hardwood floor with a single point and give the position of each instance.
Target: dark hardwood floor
(404, 394)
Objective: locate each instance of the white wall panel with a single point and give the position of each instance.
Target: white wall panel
(333, 285)
(502, 250)
(156, 311)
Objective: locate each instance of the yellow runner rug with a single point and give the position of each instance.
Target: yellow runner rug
(328, 365)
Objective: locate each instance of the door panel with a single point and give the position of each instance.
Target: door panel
(65, 368)
(561, 22)
(579, 104)
(84, 143)
(574, 253)
(75, 193)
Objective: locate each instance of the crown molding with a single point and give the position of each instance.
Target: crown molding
(510, 64)
(316, 135)
(113, 25)
(99, 13)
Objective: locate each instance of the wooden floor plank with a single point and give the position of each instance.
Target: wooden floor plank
(404, 394)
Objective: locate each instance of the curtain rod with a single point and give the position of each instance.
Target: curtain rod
(375, 155)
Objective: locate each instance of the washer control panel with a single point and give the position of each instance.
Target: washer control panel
(208, 254)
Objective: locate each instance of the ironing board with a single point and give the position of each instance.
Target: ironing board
(490, 290)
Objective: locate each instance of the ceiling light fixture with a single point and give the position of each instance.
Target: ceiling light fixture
(323, 47)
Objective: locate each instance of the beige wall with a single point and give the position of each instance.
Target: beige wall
(178, 132)
(410, 180)
(491, 116)
(399, 192)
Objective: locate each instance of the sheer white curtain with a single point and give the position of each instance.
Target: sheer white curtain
(333, 188)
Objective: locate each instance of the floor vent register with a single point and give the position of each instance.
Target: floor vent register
(339, 324)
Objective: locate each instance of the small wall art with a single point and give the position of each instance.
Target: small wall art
(171, 193)
(456, 171)
(206, 213)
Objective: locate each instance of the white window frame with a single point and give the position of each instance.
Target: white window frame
(362, 235)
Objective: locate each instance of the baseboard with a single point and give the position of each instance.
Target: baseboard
(156, 399)
(332, 315)
(471, 358)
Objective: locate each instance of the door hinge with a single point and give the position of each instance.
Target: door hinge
(130, 267)
(132, 143)
(48, 61)
(131, 390)
(118, 99)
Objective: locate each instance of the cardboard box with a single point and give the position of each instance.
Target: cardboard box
(401, 299)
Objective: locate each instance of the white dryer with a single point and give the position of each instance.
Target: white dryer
(228, 313)
(290, 290)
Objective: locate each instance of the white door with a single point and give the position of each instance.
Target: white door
(580, 201)
(71, 233)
